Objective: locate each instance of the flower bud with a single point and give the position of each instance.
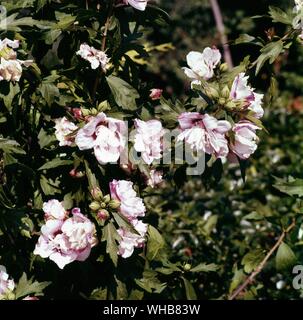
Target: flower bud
(103, 205)
(222, 101)
(97, 194)
(225, 93)
(77, 112)
(85, 112)
(224, 67)
(212, 93)
(187, 267)
(106, 199)
(95, 205)
(80, 174)
(103, 215)
(230, 105)
(73, 173)
(114, 204)
(94, 112)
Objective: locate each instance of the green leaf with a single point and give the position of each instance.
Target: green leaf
(48, 187)
(292, 187)
(49, 92)
(27, 287)
(279, 15)
(92, 181)
(285, 257)
(203, 267)
(252, 259)
(253, 216)
(99, 294)
(150, 283)
(45, 139)
(154, 244)
(14, 89)
(244, 38)
(110, 235)
(57, 162)
(124, 94)
(269, 52)
(10, 146)
(189, 290)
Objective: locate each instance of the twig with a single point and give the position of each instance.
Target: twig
(102, 49)
(250, 279)
(221, 29)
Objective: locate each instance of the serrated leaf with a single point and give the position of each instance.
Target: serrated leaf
(27, 287)
(48, 187)
(294, 187)
(269, 52)
(92, 181)
(244, 38)
(285, 257)
(45, 139)
(124, 94)
(10, 146)
(204, 267)
(154, 244)
(252, 259)
(49, 92)
(150, 283)
(278, 15)
(110, 235)
(57, 162)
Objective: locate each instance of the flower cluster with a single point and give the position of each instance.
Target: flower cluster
(203, 132)
(65, 239)
(10, 66)
(131, 207)
(298, 20)
(95, 57)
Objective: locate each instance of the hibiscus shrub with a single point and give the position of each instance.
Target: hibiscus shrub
(91, 151)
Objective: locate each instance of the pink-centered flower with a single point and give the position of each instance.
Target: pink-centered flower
(241, 90)
(204, 133)
(202, 65)
(6, 285)
(95, 57)
(137, 4)
(66, 240)
(107, 136)
(131, 206)
(148, 139)
(245, 140)
(64, 128)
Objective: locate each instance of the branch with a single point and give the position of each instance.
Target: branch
(260, 267)
(221, 29)
(102, 49)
